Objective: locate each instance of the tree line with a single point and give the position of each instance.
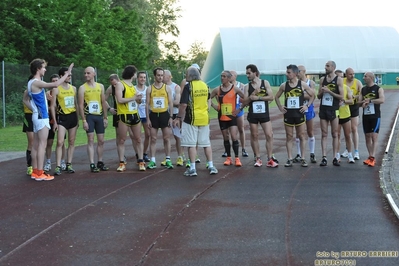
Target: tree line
(106, 34)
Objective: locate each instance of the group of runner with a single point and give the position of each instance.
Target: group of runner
(138, 107)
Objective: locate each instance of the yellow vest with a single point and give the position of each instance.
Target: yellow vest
(66, 100)
(92, 100)
(354, 89)
(129, 107)
(344, 111)
(159, 100)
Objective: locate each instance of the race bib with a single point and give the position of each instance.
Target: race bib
(94, 107)
(69, 101)
(369, 110)
(258, 107)
(132, 106)
(293, 103)
(226, 109)
(158, 102)
(327, 99)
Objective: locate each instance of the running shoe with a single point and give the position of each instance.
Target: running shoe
(228, 161)
(213, 170)
(350, 158)
(274, 158)
(271, 163)
(169, 164)
(323, 161)
(224, 155)
(141, 166)
(121, 167)
(29, 170)
(102, 167)
(93, 168)
(258, 163)
(47, 167)
(188, 163)
(145, 158)
(57, 170)
(190, 172)
(151, 165)
(163, 163)
(63, 166)
(70, 169)
(197, 160)
(179, 161)
(313, 158)
(372, 162)
(367, 161)
(345, 154)
(304, 163)
(356, 156)
(289, 163)
(238, 162)
(44, 177)
(297, 159)
(336, 162)
(244, 153)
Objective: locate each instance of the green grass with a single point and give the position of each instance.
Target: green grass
(13, 139)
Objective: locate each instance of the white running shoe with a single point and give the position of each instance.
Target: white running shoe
(345, 154)
(356, 156)
(47, 167)
(350, 158)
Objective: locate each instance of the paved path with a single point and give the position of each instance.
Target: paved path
(241, 216)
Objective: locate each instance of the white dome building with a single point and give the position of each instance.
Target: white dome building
(271, 49)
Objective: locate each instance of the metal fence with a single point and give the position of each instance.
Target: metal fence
(14, 79)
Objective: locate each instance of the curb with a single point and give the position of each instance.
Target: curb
(387, 172)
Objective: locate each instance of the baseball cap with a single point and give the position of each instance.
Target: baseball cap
(196, 66)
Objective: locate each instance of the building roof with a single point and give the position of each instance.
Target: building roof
(271, 49)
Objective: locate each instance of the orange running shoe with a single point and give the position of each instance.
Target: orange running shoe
(372, 162)
(238, 162)
(228, 161)
(367, 161)
(44, 177)
(33, 176)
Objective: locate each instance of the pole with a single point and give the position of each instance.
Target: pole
(4, 94)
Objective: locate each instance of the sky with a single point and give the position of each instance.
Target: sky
(201, 20)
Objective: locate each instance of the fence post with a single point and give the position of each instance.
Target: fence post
(4, 94)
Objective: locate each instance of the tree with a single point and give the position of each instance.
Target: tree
(197, 53)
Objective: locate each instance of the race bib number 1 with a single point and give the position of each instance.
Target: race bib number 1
(226, 109)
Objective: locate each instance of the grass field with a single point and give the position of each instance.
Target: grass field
(13, 139)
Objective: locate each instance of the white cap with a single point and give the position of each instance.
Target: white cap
(196, 66)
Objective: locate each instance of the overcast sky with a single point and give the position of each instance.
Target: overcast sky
(201, 19)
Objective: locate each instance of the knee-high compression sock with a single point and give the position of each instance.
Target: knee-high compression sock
(236, 145)
(227, 147)
(28, 158)
(298, 146)
(311, 144)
